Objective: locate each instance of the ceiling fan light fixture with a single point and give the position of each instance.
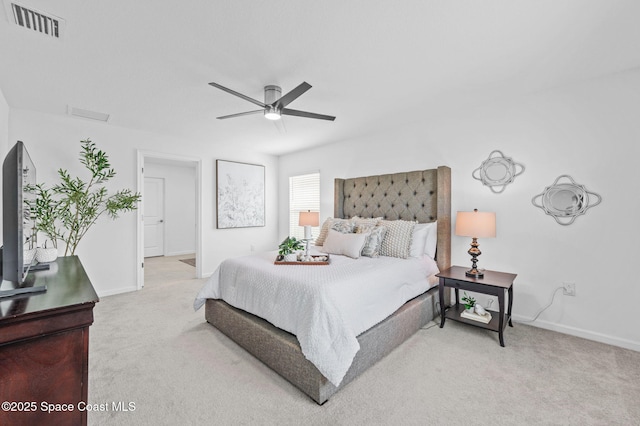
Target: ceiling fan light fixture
(272, 114)
(274, 104)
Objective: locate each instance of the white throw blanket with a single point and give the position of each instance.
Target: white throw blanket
(325, 307)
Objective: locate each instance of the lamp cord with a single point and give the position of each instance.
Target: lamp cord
(432, 323)
(553, 296)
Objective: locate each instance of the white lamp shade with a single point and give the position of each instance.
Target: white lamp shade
(309, 219)
(476, 224)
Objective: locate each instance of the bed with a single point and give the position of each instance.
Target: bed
(422, 196)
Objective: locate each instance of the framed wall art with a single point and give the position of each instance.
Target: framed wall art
(240, 195)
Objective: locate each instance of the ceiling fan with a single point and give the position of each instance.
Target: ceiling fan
(274, 105)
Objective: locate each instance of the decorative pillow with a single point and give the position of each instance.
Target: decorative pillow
(324, 231)
(343, 226)
(362, 228)
(397, 239)
(419, 239)
(328, 223)
(374, 241)
(345, 244)
(432, 240)
(366, 221)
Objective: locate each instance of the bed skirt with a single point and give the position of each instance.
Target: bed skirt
(281, 351)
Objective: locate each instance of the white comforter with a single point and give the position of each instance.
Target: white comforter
(325, 307)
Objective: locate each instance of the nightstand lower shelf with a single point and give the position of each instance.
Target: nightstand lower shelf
(454, 312)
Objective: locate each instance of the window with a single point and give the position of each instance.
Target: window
(304, 194)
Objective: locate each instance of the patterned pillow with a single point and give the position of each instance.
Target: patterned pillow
(374, 240)
(344, 226)
(328, 224)
(366, 221)
(324, 231)
(397, 239)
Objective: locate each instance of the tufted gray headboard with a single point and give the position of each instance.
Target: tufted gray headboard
(423, 196)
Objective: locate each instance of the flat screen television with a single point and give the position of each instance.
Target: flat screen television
(18, 171)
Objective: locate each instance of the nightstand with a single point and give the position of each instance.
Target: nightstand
(494, 283)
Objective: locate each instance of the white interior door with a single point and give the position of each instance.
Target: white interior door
(153, 217)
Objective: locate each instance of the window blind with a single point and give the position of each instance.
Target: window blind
(304, 194)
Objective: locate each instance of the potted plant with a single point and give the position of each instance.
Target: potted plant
(288, 249)
(43, 212)
(69, 209)
(46, 254)
(469, 302)
(29, 250)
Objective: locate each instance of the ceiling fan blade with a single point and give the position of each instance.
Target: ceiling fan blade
(240, 95)
(287, 111)
(292, 95)
(280, 126)
(240, 114)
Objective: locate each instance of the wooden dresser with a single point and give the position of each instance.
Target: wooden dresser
(44, 348)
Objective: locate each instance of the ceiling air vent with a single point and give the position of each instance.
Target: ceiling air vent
(85, 113)
(34, 20)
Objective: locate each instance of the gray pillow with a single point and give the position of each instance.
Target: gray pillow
(374, 240)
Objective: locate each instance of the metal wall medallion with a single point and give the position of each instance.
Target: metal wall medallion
(497, 172)
(566, 201)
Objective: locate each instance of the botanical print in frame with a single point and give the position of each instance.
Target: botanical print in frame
(240, 193)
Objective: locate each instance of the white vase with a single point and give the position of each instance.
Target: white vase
(291, 257)
(28, 255)
(46, 255)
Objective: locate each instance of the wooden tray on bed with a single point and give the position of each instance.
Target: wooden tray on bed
(279, 260)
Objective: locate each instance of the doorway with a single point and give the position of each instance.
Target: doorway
(153, 216)
(169, 220)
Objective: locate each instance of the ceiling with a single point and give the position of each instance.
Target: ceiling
(373, 64)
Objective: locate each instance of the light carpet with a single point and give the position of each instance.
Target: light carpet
(150, 349)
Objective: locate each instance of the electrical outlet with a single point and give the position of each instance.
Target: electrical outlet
(569, 288)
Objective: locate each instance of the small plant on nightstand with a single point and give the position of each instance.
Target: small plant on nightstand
(289, 247)
(469, 302)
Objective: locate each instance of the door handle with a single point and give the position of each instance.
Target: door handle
(161, 221)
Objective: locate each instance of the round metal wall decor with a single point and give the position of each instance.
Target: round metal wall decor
(566, 201)
(497, 172)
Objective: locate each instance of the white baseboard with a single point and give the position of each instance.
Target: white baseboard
(578, 332)
(116, 291)
(180, 253)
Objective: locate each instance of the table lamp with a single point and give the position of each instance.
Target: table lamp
(308, 219)
(476, 225)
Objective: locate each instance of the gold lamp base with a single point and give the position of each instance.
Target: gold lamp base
(474, 251)
(474, 273)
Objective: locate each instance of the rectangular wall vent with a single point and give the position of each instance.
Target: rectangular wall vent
(85, 113)
(35, 20)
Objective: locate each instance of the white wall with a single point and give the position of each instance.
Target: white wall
(180, 206)
(589, 130)
(4, 125)
(108, 251)
(4, 138)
